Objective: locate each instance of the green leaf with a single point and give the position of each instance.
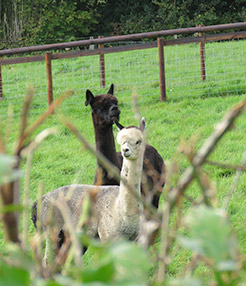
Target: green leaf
(211, 237)
(17, 257)
(131, 262)
(102, 273)
(13, 276)
(7, 171)
(11, 208)
(61, 281)
(121, 263)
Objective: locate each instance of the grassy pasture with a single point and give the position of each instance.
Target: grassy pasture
(190, 113)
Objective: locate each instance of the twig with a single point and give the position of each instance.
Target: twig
(38, 238)
(29, 151)
(25, 110)
(10, 192)
(70, 227)
(175, 194)
(25, 201)
(226, 166)
(10, 219)
(234, 183)
(61, 257)
(37, 141)
(199, 174)
(164, 231)
(205, 150)
(27, 132)
(8, 129)
(190, 268)
(164, 243)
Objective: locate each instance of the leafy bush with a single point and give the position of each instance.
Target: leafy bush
(206, 231)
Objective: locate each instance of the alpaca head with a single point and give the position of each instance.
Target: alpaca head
(104, 106)
(131, 140)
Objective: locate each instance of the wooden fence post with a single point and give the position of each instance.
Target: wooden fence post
(1, 83)
(160, 43)
(202, 56)
(102, 65)
(49, 77)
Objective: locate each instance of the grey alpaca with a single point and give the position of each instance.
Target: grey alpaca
(117, 211)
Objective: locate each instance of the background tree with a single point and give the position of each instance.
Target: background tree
(46, 21)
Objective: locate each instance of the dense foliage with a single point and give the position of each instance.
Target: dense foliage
(44, 21)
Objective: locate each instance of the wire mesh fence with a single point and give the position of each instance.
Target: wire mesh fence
(225, 66)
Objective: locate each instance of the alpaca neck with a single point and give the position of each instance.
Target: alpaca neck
(104, 144)
(131, 174)
(105, 140)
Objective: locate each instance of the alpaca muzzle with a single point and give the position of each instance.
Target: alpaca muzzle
(126, 152)
(114, 112)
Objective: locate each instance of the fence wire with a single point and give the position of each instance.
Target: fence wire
(225, 65)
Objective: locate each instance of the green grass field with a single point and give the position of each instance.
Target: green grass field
(191, 111)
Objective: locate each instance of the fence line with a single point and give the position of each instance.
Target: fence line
(134, 37)
(202, 38)
(205, 38)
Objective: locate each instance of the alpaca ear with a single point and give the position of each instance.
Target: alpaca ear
(89, 97)
(111, 89)
(119, 125)
(142, 124)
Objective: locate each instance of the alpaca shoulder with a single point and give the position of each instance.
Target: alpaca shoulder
(106, 199)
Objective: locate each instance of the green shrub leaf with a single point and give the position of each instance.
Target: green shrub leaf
(131, 262)
(7, 173)
(211, 237)
(13, 276)
(102, 273)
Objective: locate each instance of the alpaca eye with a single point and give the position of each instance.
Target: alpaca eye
(138, 142)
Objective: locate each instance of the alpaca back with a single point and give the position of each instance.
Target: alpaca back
(72, 197)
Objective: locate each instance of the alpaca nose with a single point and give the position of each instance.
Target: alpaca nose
(126, 152)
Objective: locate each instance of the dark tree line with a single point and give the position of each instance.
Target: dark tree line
(29, 22)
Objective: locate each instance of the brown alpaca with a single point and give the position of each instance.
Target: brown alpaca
(105, 113)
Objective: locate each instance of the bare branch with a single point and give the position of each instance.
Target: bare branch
(226, 166)
(205, 150)
(40, 120)
(29, 151)
(164, 242)
(234, 183)
(10, 219)
(25, 110)
(59, 203)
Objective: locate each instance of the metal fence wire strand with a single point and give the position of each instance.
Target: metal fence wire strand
(224, 65)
